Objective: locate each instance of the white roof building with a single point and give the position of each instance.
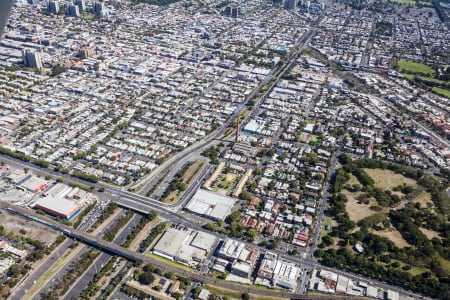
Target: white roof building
(184, 246)
(285, 274)
(231, 249)
(211, 205)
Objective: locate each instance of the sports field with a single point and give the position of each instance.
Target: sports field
(413, 67)
(443, 92)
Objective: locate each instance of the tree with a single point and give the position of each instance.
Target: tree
(244, 195)
(196, 291)
(58, 69)
(252, 234)
(157, 288)
(146, 278)
(233, 217)
(152, 215)
(245, 296)
(213, 297)
(327, 240)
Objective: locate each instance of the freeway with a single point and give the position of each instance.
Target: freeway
(111, 248)
(181, 157)
(144, 204)
(83, 281)
(41, 269)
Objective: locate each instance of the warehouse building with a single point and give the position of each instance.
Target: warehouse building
(34, 184)
(285, 274)
(210, 205)
(19, 176)
(243, 257)
(185, 246)
(231, 249)
(58, 207)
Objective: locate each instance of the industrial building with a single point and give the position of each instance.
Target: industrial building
(34, 184)
(58, 207)
(243, 257)
(27, 181)
(210, 205)
(63, 201)
(185, 246)
(241, 269)
(16, 253)
(275, 271)
(18, 176)
(254, 126)
(266, 269)
(285, 274)
(231, 249)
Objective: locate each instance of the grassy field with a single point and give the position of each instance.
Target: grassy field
(228, 132)
(236, 295)
(393, 235)
(60, 263)
(412, 2)
(89, 16)
(409, 2)
(134, 245)
(313, 139)
(386, 179)
(355, 210)
(431, 80)
(227, 181)
(190, 173)
(444, 263)
(413, 67)
(352, 180)
(442, 92)
(424, 198)
(170, 262)
(429, 233)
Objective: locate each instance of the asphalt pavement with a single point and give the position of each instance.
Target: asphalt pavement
(78, 287)
(39, 270)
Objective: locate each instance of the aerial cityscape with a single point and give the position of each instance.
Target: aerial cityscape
(218, 149)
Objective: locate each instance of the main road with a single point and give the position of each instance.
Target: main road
(111, 248)
(170, 212)
(83, 281)
(181, 157)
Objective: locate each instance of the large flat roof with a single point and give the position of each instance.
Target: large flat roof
(211, 205)
(204, 241)
(58, 205)
(34, 183)
(171, 241)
